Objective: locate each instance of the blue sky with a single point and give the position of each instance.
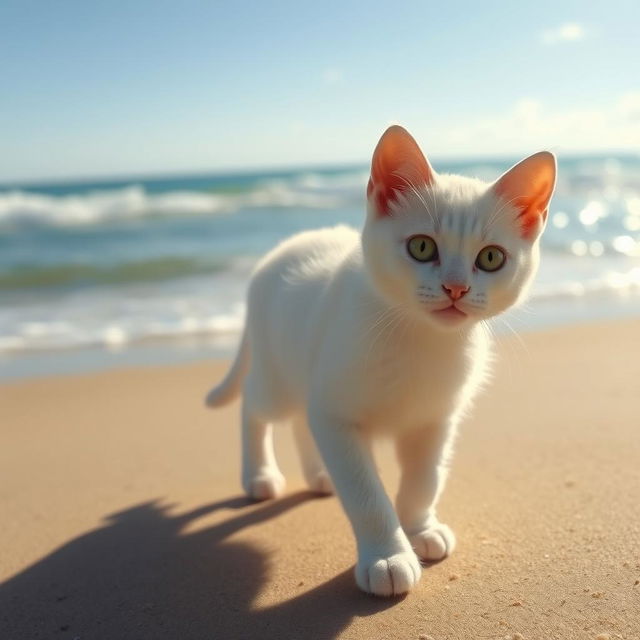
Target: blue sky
(114, 88)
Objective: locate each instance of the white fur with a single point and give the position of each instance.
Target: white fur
(340, 339)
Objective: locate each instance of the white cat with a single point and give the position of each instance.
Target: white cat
(351, 335)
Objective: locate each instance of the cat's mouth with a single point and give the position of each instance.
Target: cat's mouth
(450, 314)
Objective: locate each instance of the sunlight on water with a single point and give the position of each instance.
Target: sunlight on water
(116, 264)
(560, 220)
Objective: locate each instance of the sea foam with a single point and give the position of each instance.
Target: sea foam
(20, 207)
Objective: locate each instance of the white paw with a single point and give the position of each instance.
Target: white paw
(434, 543)
(390, 576)
(265, 485)
(322, 484)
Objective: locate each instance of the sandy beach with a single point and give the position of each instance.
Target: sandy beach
(122, 515)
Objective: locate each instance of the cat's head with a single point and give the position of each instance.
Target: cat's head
(449, 249)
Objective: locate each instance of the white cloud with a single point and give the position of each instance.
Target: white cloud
(569, 32)
(332, 76)
(628, 106)
(529, 125)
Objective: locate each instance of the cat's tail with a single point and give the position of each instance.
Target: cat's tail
(229, 389)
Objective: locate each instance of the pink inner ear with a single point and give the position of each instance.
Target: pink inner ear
(397, 165)
(528, 186)
(533, 216)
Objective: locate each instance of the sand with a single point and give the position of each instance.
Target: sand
(121, 515)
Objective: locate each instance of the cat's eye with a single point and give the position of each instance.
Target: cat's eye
(422, 248)
(490, 259)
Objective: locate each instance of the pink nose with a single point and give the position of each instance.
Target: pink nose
(455, 291)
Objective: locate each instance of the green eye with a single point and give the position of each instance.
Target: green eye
(422, 248)
(490, 259)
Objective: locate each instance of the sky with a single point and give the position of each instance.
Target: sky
(141, 87)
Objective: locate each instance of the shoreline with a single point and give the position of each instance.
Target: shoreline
(123, 515)
(589, 310)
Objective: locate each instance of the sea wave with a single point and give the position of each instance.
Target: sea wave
(63, 275)
(60, 334)
(616, 282)
(24, 208)
(112, 321)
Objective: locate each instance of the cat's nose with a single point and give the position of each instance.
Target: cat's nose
(455, 291)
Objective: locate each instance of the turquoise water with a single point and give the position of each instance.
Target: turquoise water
(117, 265)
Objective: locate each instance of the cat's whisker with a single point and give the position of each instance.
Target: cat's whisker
(523, 307)
(486, 327)
(379, 341)
(492, 335)
(513, 356)
(417, 193)
(395, 324)
(424, 203)
(381, 316)
(388, 319)
(432, 193)
(497, 212)
(514, 333)
(496, 216)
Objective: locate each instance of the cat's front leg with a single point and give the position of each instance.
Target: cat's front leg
(422, 455)
(387, 565)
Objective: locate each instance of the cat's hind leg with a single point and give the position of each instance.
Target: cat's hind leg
(261, 477)
(313, 468)
(422, 455)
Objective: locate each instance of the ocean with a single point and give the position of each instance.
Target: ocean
(154, 270)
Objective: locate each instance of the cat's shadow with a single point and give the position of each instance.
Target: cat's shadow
(142, 576)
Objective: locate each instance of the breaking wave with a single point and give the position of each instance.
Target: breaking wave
(20, 207)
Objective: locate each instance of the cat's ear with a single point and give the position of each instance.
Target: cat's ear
(397, 165)
(528, 186)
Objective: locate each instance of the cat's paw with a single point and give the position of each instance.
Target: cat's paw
(392, 576)
(434, 543)
(321, 484)
(265, 486)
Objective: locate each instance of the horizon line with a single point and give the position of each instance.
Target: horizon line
(257, 170)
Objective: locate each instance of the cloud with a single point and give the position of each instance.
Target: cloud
(332, 76)
(628, 106)
(529, 125)
(569, 32)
